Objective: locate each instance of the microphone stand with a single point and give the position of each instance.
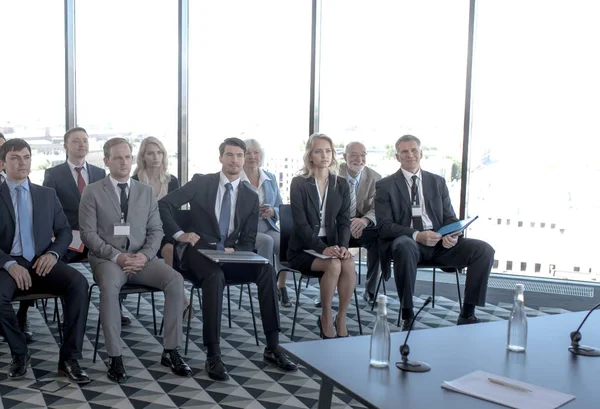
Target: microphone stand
(584, 350)
(405, 364)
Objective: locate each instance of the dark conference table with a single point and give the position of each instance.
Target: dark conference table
(453, 352)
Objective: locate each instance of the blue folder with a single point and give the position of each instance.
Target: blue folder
(456, 227)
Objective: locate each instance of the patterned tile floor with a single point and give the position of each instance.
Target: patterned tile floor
(253, 384)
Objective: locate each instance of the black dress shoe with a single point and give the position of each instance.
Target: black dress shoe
(71, 369)
(18, 366)
(24, 325)
(337, 331)
(318, 302)
(277, 357)
(471, 319)
(116, 369)
(283, 297)
(215, 368)
(172, 359)
(321, 333)
(125, 320)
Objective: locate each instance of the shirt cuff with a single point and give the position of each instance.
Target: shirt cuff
(114, 259)
(176, 235)
(414, 235)
(55, 254)
(8, 264)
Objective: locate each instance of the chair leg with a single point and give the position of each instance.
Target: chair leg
(162, 324)
(189, 320)
(96, 341)
(359, 263)
(458, 290)
(137, 313)
(307, 281)
(153, 312)
(433, 291)
(295, 284)
(60, 337)
(229, 306)
(377, 291)
(253, 317)
(56, 314)
(241, 293)
(384, 292)
(296, 308)
(357, 312)
(44, 303)
(199, 298)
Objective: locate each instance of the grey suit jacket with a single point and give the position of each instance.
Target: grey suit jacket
(365, 195)
(100, 209)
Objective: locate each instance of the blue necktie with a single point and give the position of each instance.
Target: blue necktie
(27, 244)
(225, 216)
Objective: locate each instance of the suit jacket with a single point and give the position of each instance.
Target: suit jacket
(272, 197)
(173, 183)
(304, 199)
(394, 211)
(100, 209)
(201, 194)
(61, 179)
(365, 194)
(48, 220)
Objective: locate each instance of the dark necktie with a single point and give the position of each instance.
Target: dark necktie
(124, 201)
(416, 203)
(225, 216)
(80, 181)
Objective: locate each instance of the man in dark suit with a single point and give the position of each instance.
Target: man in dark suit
(363, 225)
(411, 206)
(224, 216)
(69, 179)
(30, 215)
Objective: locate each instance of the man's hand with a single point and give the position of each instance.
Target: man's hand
(266, 212)
(428, 238)
(191, 238)
(357, 225)
(450, 241)
(21, 276)
(122, 259)
(135, 263)
(44, 264)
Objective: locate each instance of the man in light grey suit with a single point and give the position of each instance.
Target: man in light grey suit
(362, 210)
(120, 224)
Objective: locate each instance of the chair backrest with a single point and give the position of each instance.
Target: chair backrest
(286, 227)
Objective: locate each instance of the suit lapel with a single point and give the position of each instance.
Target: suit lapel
(312, 193)
(401, 184)
(212, 200)
(112, 195)
(331, 198)
(361, 192)
(34, 203)
(5, 193)
(65, 170)
(428, 194)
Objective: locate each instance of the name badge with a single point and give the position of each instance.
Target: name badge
(416, 211)
(121, 229)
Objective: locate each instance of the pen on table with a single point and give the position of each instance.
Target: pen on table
(508, 385)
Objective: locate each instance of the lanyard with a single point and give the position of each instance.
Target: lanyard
(322, 200)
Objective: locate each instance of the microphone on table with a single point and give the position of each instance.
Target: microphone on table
(405, 364)
(584, 350)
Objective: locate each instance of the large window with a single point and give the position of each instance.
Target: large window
(534, 165)
(249, 78)
(393, 67)
(32, 85)
(127, 72)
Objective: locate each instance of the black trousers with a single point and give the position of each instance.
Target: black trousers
(211, 277)
(369, 240)
(476, 255)
(63, 281)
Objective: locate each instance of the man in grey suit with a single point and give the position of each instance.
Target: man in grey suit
(121, 226)
(363, 225)
(411, 206)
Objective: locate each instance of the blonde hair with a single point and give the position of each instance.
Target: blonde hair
(307, 169)
(140, 168)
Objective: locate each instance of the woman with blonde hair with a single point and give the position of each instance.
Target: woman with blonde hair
(321, 209)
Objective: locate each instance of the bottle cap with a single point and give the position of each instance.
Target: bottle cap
(519, 287)
(381, 299)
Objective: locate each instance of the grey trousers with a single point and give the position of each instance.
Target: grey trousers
(110, 278)
(267, 243)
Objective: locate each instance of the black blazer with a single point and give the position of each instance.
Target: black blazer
(48, 220)
(173, 183)
(393, 209)
(201, 194)
(61, 179)
(304, 199)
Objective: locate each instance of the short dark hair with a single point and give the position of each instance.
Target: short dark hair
(72, 131)
(408, 138)
(231, 142)
(15, 144)
(112, 142)
(2, 137)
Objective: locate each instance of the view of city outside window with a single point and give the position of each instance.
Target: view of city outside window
(534, 166)
(395, 67)
(250, 78)
(126, 61)
(32, 85)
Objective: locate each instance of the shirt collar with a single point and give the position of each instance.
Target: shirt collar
(262, 177)
(12, 186)
(356, 178)
(72, 166)
(115, 182)
(223, 181)
(408, 175)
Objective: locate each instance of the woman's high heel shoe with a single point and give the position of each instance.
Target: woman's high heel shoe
(321, 333)
(336, 329)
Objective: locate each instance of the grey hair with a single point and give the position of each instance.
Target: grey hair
(408, 138)
(254, 143)
(346, 150)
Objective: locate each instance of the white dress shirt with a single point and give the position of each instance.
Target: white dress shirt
(427, 224)
(84, 172)
(115, 182)
(262, 177)
(322, 207)
(220, 193)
